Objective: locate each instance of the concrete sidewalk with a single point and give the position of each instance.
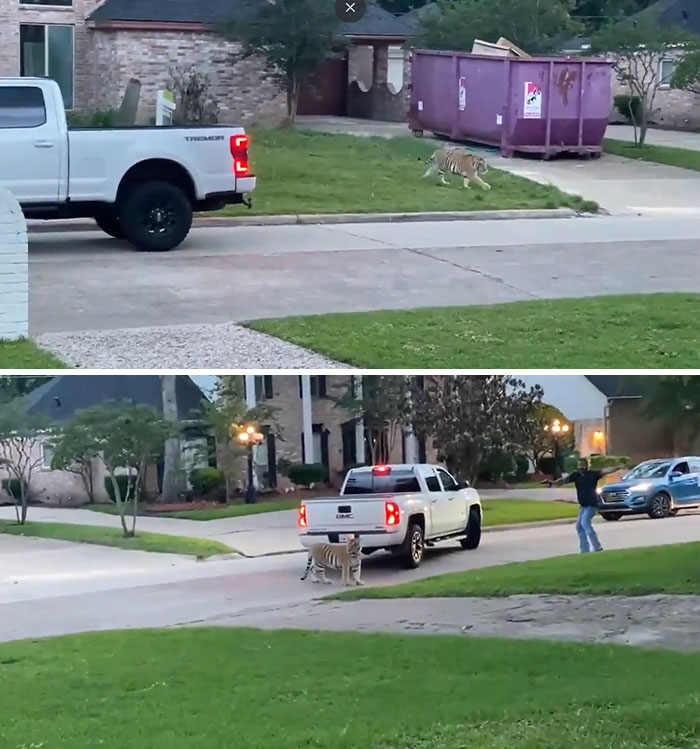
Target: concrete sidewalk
(655, 137)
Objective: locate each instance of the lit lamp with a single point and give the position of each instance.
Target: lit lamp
(249, 437)
(557, 430)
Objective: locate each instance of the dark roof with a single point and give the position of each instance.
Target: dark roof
(684, 14)
(376, 21)
(620, 386)
(62, 396)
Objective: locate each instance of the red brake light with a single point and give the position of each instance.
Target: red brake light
(381, 470)
(302, 516)
(392, 515)
(239, 152)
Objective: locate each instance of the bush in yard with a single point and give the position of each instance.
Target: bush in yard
(305, 474)
(123, 481)
(571, 463)
(522, 467)
(598, 462)
(630, 107)
(205, 481)
(547, 465)
(13, 487)
(497, 466)
(97, 118)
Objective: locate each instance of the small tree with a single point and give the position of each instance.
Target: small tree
(226, 413)
(21, 435)
(687, 73)
(125, 436)
(383, 403)
(74, 452)
(293, 36)
(470, 417)
(637, 47)
(193, 102)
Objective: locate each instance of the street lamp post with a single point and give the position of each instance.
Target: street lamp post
(557, 429)
(249, 437)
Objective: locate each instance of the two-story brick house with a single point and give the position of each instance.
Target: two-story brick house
(94, 47)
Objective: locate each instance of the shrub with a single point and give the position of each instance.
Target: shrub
(496, 466)
(522, 466)
(629, 107)
(13, 487)
(608, 461)
(97, 118)
(547, 465)
(122, 482)
(206, 481)
(305, 474)
(570, 463)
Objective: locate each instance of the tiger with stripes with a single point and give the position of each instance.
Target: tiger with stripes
(469, 166)
(346, 557)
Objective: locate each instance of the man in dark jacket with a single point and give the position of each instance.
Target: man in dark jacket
(586, 482)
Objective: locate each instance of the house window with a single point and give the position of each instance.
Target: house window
(48, 51)
(318, 386)
(666, 70)
(46, 457)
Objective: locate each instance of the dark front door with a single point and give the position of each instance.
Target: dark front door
(324, 91)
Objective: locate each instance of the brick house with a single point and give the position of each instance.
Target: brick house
(93, 47)
(62, 396)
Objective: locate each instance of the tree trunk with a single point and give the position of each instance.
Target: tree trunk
(172, 473)
(25, 507)
(121, 506)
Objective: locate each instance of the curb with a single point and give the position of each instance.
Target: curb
(493, 529)
(77, 225)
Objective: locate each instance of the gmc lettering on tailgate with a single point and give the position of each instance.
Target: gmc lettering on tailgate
(344, 516)
(203, 137)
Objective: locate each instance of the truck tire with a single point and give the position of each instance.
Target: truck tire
(155, 216)
(472, 537)
(411, 550)
(108, 222)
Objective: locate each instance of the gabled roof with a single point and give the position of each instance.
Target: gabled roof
(617, 386)
(376, 22)
(684, 14)
(62, 396)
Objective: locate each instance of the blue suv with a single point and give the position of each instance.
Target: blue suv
(658, 488)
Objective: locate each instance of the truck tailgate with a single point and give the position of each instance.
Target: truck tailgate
(351, 514)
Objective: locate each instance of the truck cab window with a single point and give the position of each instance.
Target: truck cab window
(22, 106)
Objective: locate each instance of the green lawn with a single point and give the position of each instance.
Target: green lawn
(303, 172)
(209, 688)
(90, 534)
(215, 513)
(683, 157)
(630, 572)
(25, 354)
(496, 511)
(651, 330)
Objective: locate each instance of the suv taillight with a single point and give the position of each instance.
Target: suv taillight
(302, 516)
(391, 513)
(239, 152)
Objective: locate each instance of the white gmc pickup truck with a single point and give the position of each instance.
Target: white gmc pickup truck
(400, 508)
(141, 184)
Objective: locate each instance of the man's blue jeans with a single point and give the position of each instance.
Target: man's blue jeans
(584, 528)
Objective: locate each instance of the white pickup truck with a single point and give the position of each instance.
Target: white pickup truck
(141, 184)
(400, 508)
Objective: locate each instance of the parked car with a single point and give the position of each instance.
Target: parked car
(401, 508)
(141, 184)
(658, 488)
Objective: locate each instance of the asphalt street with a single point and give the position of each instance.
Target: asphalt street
(54, 587)
(85, 281)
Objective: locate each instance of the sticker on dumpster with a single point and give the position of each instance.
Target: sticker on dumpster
(420, 106)
(462, 94)
(533, 101)
(499, 119)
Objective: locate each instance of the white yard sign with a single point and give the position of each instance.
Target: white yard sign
(165, 108)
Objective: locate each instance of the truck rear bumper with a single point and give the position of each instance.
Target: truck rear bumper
(369, 539)
(214, 201)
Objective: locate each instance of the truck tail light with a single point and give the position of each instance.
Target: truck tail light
(302, 516)
(391, 513)
(381, 470)
(239, 153)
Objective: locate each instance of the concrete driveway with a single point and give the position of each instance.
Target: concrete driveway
(260, 591)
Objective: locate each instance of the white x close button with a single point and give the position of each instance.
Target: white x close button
(350, 11)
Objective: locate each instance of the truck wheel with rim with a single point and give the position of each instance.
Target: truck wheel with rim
(611, 515)
(413, 546)
(660, 506)
(108, 222)
(155, 216)
(472, 537)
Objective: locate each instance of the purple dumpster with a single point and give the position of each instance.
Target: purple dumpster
(545, 105)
